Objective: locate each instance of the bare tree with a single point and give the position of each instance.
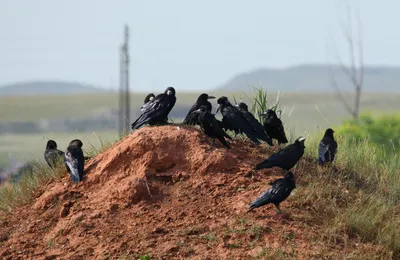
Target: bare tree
(355, 70)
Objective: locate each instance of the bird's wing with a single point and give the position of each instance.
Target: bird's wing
(156, 109)
(217, 126)
(323, 148)
(234, 118)
(74, 160)
(258, 128)
(146, 106)
(191, 118)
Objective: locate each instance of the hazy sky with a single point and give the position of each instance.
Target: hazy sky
(187, 44)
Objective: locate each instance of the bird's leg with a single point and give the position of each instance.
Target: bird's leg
(279, 211)
(212, 144)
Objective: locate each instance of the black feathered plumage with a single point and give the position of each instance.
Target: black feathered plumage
(74, 160)
(147, 100)
(211, 127)
(327, 148)
(202, 101)
(285, 158)
(274, 127)
(233, 119)
(156, 112)
(255, 124)
(280, 189)
(52, 154)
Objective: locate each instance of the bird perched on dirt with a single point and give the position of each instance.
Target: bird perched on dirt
(149, 98)
(280, 189)
(202, 100)
(327, 147)
(211, 127)
(285, 158)
(156, 112)
(52, 154)
(274, 127)
(74, 160)
(233, 119)
(255, 124)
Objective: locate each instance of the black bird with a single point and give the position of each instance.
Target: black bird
(211, 127)
(74, 160)
(274, 127)
(52, 154)
(280, 189)
(149, 98)
(327, 147)
(285, 158)
(202, 100)
(256, 125)
(157, 111)
(233, 119)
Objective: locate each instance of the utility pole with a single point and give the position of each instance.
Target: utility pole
(124, 93)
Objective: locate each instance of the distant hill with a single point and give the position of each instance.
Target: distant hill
(46, 88)
(315, 78)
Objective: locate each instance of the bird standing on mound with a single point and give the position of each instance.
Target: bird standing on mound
(52, 154)
(285, 158)
(156, 112)
(327, 147)
(256, 125)
(202, 100)
(211, 127)
(274, 127)
(280, 189)
(74, 160)
(233, 119)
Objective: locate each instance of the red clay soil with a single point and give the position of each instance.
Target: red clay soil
(160, 191)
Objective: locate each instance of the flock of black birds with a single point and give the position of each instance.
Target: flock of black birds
(238, 119)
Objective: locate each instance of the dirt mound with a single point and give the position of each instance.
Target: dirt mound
(158, 191)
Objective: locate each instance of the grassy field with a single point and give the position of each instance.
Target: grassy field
(27, 147)
(32, 108)
(356, 200)
(304, 113)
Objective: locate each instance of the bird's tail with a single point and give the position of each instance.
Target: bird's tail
(262, 165)
(267, 139)
(138, 123)
(224, 142)
(251, 208)
(283, 138)
(252, 138)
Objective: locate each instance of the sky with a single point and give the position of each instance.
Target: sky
(190, 45)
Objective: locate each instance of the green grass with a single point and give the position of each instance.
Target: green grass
(379, 129)
(363, 191)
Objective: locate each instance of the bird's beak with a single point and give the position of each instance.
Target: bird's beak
(151, 99)
(210, 97)
(218, 108)
(263, 114)
(169, 92)
(302, 139)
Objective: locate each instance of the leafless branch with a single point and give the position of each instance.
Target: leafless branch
(355, 69)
